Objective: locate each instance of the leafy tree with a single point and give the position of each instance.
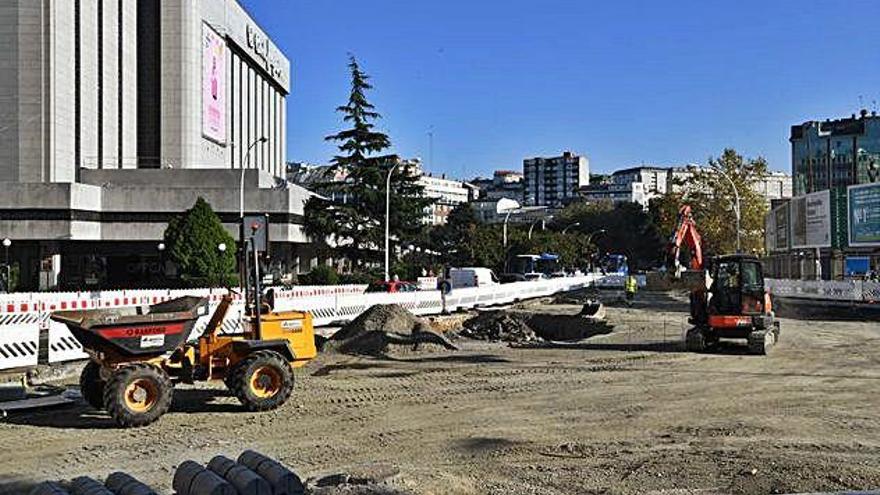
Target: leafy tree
(712, 200)
(456, 241)
(193, 241)
(351, 213)
(320, 275)
(627, 229)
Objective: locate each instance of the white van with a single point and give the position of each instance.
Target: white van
(472, 277)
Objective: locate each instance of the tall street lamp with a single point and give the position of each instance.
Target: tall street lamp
(6, 243)
(241, 234)
(576, 224)
(736, 210)
(590, 237)
(506, 206)
(388, 219)
(543, 225)
(247, 157)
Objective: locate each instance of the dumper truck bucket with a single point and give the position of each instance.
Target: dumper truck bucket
(139, 331)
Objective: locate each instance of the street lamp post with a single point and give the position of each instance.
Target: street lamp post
(247, 157)
(241, 240)
(589, 240)
(6, 243)
(388, 219)
(736, 205)
(576, 224)
(532, 227)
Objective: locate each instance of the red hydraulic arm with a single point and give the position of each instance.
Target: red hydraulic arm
(686, 234)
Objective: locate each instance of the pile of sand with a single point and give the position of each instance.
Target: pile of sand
(387, 329)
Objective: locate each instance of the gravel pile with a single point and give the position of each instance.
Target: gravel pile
(499, 326)
(387, 329)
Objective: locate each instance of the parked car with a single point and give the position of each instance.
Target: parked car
(392, 286)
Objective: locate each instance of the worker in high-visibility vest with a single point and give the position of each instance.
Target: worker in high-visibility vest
(631, 286)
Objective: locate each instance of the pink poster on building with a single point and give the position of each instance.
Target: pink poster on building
(213, 85)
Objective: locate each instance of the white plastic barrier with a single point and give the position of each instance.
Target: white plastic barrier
(24, 316)
(857, 291)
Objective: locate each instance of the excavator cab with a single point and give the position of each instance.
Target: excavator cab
(737, 286)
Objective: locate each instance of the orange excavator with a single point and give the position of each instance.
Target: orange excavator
(729, 299)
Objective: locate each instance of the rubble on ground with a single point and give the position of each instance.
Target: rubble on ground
(518, 327)
(502, 326)
(384, 329)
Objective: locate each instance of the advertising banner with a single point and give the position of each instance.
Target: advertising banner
(811, 220)
(781, 222)
(863, 206)
(213, 85)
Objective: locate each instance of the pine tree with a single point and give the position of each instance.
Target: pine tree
(351, 214)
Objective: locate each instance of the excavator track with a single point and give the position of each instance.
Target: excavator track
(761, 341)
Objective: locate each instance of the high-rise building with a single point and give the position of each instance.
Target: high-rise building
(554, 181)
(117, 115)
(834, 153)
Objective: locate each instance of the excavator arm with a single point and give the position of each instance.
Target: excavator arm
(685, 234)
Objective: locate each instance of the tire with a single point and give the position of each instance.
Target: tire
(262, 381)
(138, 394)
(91, 386)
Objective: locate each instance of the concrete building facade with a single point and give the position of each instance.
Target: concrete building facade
(554, 181)
(117, 114)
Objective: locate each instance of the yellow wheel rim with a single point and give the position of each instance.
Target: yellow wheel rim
(265, 382)
(141, 395)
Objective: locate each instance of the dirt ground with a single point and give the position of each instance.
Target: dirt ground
(623, 412)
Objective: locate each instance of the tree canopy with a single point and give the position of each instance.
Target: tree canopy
(712, 199)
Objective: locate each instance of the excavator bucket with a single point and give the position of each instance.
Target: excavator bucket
(593, 309)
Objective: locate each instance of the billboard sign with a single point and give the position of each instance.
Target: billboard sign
(863, 208)
(781, 222)
(811, 220)
(213, 85)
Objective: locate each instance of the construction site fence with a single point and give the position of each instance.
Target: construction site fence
(851, 291)
(29, 337)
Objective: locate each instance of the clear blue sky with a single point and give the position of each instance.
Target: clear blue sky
(621, 81)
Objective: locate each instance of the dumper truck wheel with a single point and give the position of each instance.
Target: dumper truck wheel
(262, 381)
(91, 386)
(137, 394)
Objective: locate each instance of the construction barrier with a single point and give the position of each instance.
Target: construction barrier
(28, 337)
(854, 291)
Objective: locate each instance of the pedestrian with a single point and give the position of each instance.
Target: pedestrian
(631, 286)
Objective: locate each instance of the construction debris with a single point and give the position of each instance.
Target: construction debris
(502, 326)
(384, 329)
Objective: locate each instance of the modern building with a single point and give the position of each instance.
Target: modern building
(554, 181)
(446, 195)
(616, 193)
(835, 153)
(503, 184)
(643, 183)
(830, 229)
(116, 116)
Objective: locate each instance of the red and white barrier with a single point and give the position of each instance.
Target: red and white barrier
(23, 317)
